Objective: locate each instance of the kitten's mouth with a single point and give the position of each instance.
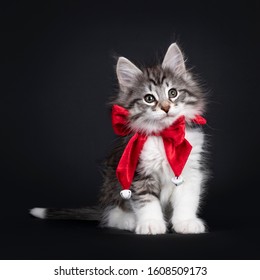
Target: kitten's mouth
(166, 116)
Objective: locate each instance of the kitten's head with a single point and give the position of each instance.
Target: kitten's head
(157, 96)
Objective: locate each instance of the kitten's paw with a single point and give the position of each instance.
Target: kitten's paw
(128, 224)
(151, 227)
(117, 218)
(189, 226)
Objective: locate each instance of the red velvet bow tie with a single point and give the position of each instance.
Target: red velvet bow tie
(177, 148)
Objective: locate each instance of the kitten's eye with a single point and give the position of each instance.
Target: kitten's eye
(172, 93)
(149, 98)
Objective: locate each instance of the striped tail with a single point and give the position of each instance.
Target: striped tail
(88, 213)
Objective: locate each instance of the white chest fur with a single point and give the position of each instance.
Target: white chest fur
(153, 158)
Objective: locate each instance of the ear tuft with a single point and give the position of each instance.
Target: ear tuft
(126, 72)
(173, 60)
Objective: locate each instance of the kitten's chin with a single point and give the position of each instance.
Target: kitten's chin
(168, 121)
(157, 125)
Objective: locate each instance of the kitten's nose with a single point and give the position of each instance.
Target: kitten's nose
(165, 106)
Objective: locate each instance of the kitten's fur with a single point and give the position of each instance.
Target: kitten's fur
(156, 202)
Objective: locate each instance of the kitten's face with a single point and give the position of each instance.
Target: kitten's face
(156, 97)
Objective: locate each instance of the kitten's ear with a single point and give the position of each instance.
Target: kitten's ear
(174, 59)
(126, 72)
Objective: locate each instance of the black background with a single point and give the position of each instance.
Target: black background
(57, 77)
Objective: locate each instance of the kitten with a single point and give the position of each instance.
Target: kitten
(154, 99)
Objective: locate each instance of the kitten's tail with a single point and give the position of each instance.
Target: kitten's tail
(88, 213)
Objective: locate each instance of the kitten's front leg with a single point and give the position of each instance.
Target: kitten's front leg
(185, 200)
(149, 217)
(146, 205)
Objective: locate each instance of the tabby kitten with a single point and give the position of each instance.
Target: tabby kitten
(155, 99)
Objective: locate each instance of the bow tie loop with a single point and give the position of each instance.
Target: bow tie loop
(120, 120)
